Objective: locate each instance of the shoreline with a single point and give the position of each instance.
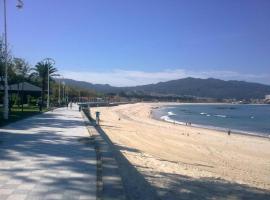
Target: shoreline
(165, 153)
(201, 126)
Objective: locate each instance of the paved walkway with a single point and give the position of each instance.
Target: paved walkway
(47, 157)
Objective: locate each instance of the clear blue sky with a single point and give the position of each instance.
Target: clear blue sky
(127, 42)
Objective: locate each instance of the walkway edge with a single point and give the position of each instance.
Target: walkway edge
(109, 181)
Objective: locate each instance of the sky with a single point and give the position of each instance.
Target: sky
(135, 42)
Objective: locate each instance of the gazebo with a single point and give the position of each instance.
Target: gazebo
(23, 86)
(22, 89)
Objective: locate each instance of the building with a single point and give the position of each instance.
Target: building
(267, 98)
(23, 86)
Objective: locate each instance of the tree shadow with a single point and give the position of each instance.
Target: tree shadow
(185, 187)
(45, 120)
(52, 162)
(137, 186)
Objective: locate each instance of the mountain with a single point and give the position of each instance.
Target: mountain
(103, 88)
(212, 88)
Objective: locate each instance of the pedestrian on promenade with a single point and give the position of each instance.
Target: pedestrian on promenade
(39, 103)
(70, 105)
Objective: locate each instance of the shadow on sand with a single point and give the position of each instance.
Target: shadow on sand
(178, 187)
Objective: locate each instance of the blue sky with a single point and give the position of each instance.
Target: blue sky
(131, 42)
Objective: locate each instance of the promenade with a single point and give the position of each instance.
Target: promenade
(47, 156)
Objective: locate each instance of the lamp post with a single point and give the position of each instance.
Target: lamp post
(48, 96)
(63, 91)
(6, 106)
(59, 88)
(50, 62)
(67, 95)
(59, 92)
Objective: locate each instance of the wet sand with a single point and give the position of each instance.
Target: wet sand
(188, 161)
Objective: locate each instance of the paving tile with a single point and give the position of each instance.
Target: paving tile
(3, 196)
(14, 182)
(45, 160)
(26, 187)
(34, 197)
(17, 197)
(6, 191)
(10, 186)
(53, 196)
(85, 197)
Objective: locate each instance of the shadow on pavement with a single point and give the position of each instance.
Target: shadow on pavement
(52, 162)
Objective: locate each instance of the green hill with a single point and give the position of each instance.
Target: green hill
(212, 88)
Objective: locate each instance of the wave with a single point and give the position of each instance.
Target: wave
(223, 116)
(208, 115)
(237, 131)
(171, 113)
(168, 119)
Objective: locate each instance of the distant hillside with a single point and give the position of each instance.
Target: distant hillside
(213, 88)
(104, 88)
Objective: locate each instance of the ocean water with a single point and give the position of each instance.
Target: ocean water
(248, 119)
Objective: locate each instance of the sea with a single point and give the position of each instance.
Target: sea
(238, 118)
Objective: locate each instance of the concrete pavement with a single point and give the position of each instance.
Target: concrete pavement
(47, 157)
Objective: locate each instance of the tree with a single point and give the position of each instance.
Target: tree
(2, 61)
(21, 68)
(22, 71)
(40, 74)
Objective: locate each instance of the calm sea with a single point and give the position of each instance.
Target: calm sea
(249, 119)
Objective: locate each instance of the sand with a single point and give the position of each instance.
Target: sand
(175, 158)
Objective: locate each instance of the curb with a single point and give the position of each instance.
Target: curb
(109, 181)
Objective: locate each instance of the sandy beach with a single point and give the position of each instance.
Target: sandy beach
(170, 155)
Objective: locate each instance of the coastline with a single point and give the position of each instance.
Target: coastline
(163, 152)
(208, 127)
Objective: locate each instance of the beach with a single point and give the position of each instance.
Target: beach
(174, 158)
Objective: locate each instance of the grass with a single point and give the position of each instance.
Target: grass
(16, 114)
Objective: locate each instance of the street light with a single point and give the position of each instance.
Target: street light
(63, 90)
(67, 95)
(49, 62)
(59, 92)
(19, 5)
(59, 88)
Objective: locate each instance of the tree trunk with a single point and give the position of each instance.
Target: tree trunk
(22, 95)
(43, 91)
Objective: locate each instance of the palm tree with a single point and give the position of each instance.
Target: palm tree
(40, 74)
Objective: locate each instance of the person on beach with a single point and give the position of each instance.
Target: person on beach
(229, 132)
(97, 117)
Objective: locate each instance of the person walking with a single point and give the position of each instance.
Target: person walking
(39, 103)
